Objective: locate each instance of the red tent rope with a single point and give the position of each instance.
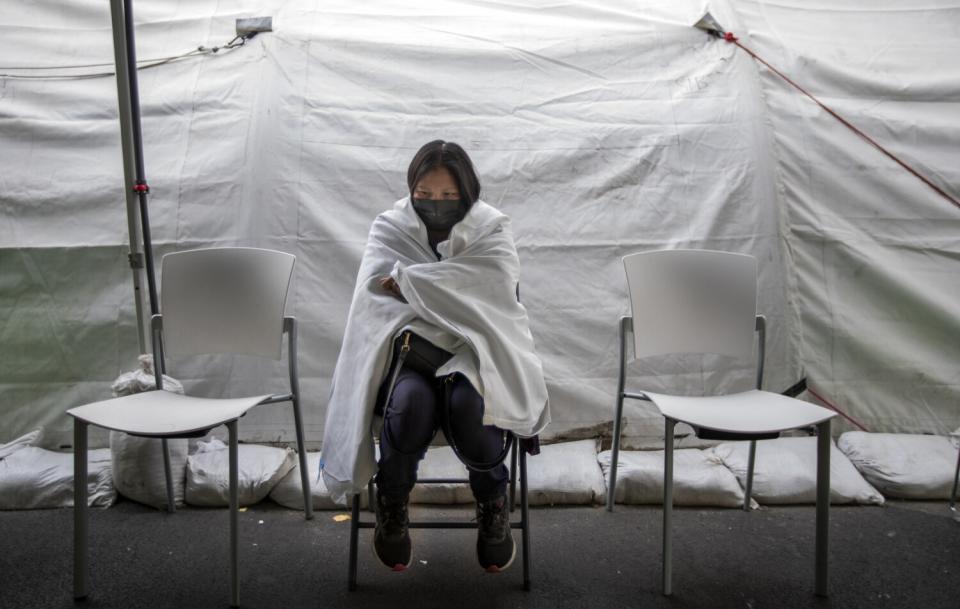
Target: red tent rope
(729, 37)
(835, 408)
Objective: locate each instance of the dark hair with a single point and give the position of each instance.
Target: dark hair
(439, 153)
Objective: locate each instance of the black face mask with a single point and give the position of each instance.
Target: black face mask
(440, 214)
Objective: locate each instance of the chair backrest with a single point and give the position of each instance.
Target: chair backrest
(225, 300)
(692, 301)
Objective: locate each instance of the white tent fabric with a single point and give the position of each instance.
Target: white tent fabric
(601, 127)
(874, 254)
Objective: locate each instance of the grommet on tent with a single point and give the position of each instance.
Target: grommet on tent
(710, 25)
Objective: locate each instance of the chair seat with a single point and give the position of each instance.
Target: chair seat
(750, 412)
(162, 413)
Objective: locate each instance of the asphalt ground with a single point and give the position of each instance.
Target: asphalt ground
(904, 554)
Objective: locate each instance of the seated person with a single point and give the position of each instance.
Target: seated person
(440, 270)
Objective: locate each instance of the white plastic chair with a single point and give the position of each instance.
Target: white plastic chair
(697, 301)
(223, 300)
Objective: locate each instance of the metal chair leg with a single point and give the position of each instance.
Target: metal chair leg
(748, 491)
(234, 515)
(354, 535)
(79, 509)
(290, 326)
(956, 477)
(626, 324)
(171, 500)
(304, 470)
(525, 519)
(823, 506)
(668, 507)
(615, 453)
(513, 472)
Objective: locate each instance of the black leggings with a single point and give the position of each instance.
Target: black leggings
(410, 421)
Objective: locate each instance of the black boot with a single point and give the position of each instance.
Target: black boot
(495, 547)
(391, 538)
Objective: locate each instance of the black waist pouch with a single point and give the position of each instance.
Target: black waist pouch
(415, 352)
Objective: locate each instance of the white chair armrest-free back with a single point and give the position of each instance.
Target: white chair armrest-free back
(692, 301)
(225, 300)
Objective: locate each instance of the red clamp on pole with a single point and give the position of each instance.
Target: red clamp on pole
(141, 187)
(729, 37)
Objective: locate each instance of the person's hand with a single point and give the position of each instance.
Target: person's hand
(390, 285)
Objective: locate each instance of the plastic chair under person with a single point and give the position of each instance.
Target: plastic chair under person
(213, 301)
(697, 301)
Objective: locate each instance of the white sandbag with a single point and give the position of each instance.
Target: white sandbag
(565, 473)
(143, 379)
(288, 492)
(699, 478)
(32, 478)
(260, 468)
(207, 444)
(786, 472)
(442, 462)
(439, 462)
(138, 471)
(906, 466)
(28, 439)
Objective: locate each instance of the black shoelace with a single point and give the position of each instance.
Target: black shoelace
(491, 518)
(394, 516)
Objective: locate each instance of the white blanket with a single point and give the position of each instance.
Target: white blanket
(470, 294)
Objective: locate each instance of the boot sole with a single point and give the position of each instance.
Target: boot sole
(495, 568)
(397, 568)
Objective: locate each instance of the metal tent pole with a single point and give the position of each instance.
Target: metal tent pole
(129, 98)
(140, 186)
(129, 171)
